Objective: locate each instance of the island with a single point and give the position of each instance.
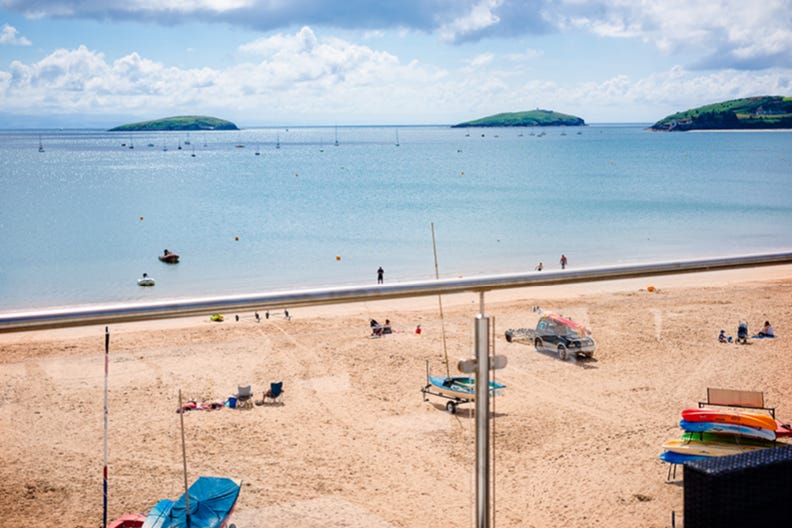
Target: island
(178, 123)
(751, 113)
(531, 118)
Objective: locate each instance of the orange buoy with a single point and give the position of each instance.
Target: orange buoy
(338, 257)
(650, 288)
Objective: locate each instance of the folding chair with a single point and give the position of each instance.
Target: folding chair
(275, 393)
(244, 397)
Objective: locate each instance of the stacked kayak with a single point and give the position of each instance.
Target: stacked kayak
(712, 433)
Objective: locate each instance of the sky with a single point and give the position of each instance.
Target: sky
(100, 63)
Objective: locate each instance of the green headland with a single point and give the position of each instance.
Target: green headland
(525, 119)
(178, 123)
(763, 112)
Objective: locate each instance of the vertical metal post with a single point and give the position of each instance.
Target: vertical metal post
(104, 476)
(184, 462)
(482, 419)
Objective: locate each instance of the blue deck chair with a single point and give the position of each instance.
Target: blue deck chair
(275, 393)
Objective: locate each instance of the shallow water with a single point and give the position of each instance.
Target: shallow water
(83, 220)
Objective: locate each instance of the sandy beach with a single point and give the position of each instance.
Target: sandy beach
(354, 444)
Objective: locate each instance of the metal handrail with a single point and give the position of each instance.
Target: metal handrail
(128, 312)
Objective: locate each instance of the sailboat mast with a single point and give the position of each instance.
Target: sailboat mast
(440, 304)
(184, 461)
(104, 475)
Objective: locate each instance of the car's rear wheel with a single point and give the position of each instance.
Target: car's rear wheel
(538, 344)
(562, 352)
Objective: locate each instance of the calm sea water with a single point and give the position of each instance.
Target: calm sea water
(81, 221)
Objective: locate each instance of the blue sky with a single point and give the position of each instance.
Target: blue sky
(89, 63)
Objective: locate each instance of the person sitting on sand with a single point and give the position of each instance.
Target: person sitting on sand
(766, 331)
(387, 328)
(722, 337)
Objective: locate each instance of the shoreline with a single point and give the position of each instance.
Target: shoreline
(712, 279)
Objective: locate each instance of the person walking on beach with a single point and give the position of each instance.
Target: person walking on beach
(380, 273)
(563, 261)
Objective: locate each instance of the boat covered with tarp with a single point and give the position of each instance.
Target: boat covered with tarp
(211, 500)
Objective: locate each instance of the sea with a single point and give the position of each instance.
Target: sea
(84, 213)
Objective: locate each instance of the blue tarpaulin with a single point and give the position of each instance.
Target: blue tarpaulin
(211, 502)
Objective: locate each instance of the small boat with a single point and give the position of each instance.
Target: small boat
(708, 449)
(457, 390)
(169, 257)
(128, 520)
(460, 387)
(744, 431)
(762, 421)
(211, 502)
(145, 280)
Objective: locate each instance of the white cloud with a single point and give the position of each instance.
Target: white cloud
(722, 33)
(300, 78)
(480, 16)
(295, 78)
(482, 59)
(527, 55)
(9, 35)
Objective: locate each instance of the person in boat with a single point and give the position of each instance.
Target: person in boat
(165, 253)
(539, 267)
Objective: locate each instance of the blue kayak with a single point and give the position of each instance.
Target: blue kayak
(717, 427)
(679, 458)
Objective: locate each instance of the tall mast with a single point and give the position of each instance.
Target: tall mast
(184, 461)
(440, 303)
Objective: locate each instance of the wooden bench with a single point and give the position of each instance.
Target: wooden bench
(737, 398)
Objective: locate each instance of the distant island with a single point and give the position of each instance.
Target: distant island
(178, 123)
(763, 112)
(525, 119)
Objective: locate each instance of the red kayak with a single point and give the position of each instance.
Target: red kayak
(750, 419)
(128, 520)
(783, 429)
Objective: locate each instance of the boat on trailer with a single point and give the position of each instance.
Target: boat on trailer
(457, 390)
